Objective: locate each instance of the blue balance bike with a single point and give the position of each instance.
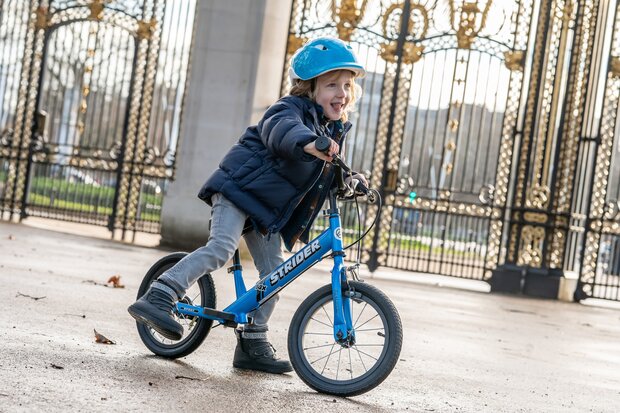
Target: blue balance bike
(344, 339)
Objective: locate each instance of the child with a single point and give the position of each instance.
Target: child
(276, 179)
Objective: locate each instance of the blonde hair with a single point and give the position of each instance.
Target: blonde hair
(307, 88)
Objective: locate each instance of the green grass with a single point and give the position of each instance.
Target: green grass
(396, 242)
(65, 190)
(46, 201)
(85, 198)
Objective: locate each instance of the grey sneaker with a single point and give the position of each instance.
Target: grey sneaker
(254, 352)
(155, 310)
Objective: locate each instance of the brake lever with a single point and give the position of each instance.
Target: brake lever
(370, 193)
(322, 144)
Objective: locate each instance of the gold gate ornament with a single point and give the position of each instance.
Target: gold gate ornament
(412, 52)
(471, 20)
(347, 16)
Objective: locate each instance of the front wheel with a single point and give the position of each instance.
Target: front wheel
(195, 329)
(345, 369)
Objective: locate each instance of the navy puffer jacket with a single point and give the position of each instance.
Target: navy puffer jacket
(267, 173)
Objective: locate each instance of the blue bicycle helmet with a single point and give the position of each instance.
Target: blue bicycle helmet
(323, 55)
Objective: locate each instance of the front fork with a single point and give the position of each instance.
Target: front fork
(344, 333)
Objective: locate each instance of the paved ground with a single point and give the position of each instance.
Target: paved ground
(464, 351)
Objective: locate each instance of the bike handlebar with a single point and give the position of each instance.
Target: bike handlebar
(322, 144)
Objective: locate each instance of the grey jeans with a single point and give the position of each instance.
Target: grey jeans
(226, 228)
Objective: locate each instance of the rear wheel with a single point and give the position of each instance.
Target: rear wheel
(345, 369)
(195, 329)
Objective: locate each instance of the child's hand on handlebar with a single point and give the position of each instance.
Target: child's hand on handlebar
(327, 155)
(348, 179)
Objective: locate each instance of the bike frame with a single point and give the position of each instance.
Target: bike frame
(249, 300)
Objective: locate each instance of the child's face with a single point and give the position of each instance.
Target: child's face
(333, 92)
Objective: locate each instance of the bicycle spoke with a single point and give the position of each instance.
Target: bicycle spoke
(350, 363)
(338, 367)
(320, 322)
(364, 353)
(360, 356)
(328, 356)
(319, 346)
(188, 323)
(325, 311)
(318, 334)
(370, 345)
(357, 330)
(331, 352)
(368, 321)
(360, 314)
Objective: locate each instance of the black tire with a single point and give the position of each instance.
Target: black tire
(378, 333)
(196, 329)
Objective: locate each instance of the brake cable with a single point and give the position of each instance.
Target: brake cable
(322, 144)
(359, 222)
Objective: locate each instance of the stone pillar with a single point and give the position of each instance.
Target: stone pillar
(236, 69)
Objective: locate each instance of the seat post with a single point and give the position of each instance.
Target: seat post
(237, 259)
(236, 270)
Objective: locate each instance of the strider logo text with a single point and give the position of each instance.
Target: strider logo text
(294, 262)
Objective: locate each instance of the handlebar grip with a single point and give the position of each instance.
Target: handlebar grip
(322, 144)
(360, 187)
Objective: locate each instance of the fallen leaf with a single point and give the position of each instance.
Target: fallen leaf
(11, 237)
(56, 366)
(116, 281)
(99, 338)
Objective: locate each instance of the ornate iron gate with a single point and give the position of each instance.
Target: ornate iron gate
(90, 128)
(436, 126)
(495, 136)
(596, 205)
